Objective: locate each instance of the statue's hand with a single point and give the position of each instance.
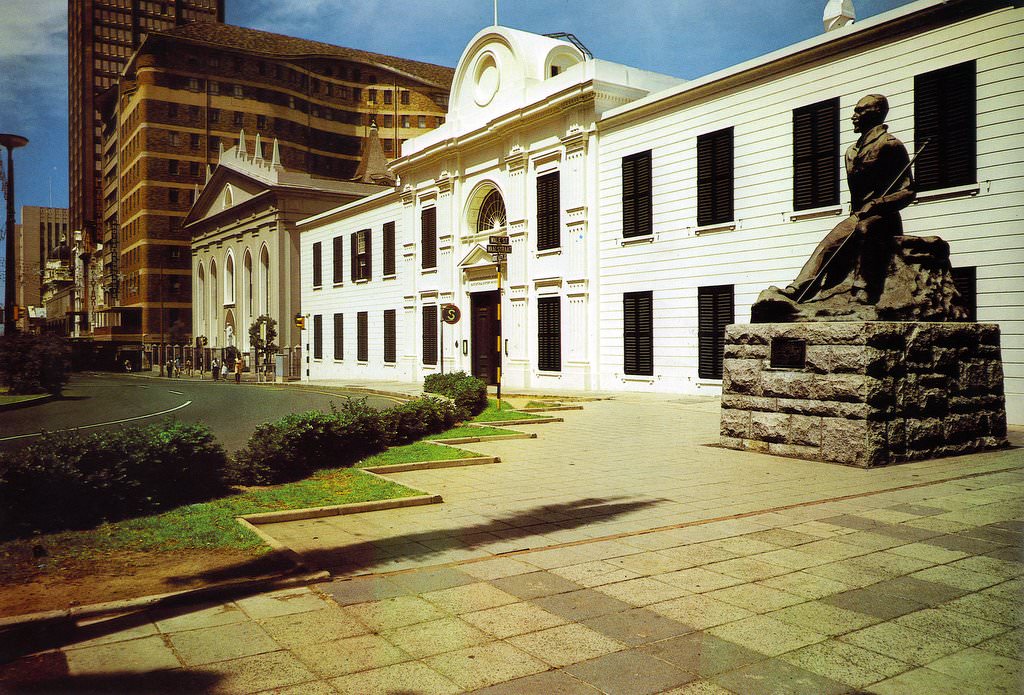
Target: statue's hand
(867, 211)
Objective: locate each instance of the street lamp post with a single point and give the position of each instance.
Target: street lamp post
(10, 142)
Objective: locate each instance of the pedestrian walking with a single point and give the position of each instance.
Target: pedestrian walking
(128, 366)
(238, 370)
(188, 367)
(224, 370)
(215, 368)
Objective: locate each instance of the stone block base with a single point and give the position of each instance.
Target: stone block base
(868, 393)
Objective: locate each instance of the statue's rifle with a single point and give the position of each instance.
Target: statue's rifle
(854, 218)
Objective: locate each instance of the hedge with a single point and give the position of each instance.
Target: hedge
(468, 392)
(297, 445)
(69, 480)
(34, 363)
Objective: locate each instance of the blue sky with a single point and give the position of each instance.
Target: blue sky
(684, 38)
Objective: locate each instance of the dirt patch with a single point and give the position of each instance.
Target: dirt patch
(29, 584)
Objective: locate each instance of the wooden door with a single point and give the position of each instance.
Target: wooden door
(485, 330)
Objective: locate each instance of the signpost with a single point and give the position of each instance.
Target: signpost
(499, 247)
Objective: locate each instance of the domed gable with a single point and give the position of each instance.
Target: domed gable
(500, 65)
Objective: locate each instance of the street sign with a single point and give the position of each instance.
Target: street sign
(499, 248)
(499, 257)
(498, 240)
(450, 314)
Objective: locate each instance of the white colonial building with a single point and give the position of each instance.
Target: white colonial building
(645, 213)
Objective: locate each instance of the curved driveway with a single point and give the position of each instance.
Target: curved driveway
(231, 411)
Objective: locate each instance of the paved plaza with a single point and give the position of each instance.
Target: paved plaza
(618, 552)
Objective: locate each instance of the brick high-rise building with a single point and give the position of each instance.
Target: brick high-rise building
(39, 233)
(102, 35)
(187, 94)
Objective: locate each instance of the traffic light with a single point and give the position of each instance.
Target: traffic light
(300, 322)
(17, 312)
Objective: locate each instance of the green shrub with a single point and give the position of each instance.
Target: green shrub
(415, 419)
(297, 445)
(468, 392)
(34, 363)
(71, 480)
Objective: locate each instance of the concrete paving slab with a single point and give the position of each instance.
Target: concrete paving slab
(513, 619)
(630, 672)
(845, 663)
(210, 644)
(135, 656)
(488, 664)
(566, 644)
(395, 679)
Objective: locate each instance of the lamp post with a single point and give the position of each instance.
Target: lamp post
(10, 142)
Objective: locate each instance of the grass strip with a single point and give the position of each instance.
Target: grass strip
(414, 453)
(507, 412)
(470, 431)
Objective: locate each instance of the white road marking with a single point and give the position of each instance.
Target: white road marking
(101, 424)
(177, 393)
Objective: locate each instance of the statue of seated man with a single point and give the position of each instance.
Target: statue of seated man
(878, 172)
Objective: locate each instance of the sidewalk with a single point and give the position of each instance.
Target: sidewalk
(616, 553)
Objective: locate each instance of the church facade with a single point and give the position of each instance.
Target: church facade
(644, 213)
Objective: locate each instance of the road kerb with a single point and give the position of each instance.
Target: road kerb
(339, 509)
(432, 465)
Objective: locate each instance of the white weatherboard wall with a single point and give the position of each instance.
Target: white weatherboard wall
(984, 224)
(373, 296)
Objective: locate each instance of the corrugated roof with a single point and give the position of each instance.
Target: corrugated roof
(281, 46)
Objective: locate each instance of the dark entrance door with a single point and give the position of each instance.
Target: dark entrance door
(485, 330)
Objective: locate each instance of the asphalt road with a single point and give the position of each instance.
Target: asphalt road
(99, 401)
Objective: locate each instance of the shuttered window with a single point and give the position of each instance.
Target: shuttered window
(362, 254)
(638, 333)
(549, 334)
(339, 336)
(714, 177)
(318, 279)
(428, 231)
(548, 212)
(944, 114)
(390, 338)
(339, 260)
(715, 311)
(318, 336)
(816, 155)
(966, 280)
(389, 248)
(362, 336)
(636, 195)
(430, 334)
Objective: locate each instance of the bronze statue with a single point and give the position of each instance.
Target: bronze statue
(853, 266)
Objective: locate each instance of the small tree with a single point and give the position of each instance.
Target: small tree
(262, 344)
(34, 363)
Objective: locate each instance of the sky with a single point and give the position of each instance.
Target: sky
(683, 38)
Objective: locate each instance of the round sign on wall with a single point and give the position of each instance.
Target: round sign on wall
(450, 314)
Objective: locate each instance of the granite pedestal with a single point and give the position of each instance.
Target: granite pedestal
(863, 393)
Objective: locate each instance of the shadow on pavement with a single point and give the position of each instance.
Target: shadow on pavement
(424, 543)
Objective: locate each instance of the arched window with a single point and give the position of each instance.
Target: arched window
(264, 289)
(200, 301)
(214, 326)
(492, 212)
(247, 307)
(229, 279)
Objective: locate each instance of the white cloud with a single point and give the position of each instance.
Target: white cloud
(33, 28)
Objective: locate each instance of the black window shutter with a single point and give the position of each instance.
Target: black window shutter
(715, 311)
(318, 336)
(368, 273)
(430, 334)
(549, 334)
(354, 260)
(317, 266)
(428, 227)
(966, 280)
(816, 155)
(389, 248)
(715, 177)
(636, 195)
(339, 336)
(548, 212)
(339, 259)
(362, 339)
(638, 333)
(945, 115)
(390, 340)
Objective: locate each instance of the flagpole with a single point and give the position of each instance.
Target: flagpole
(495, 12)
